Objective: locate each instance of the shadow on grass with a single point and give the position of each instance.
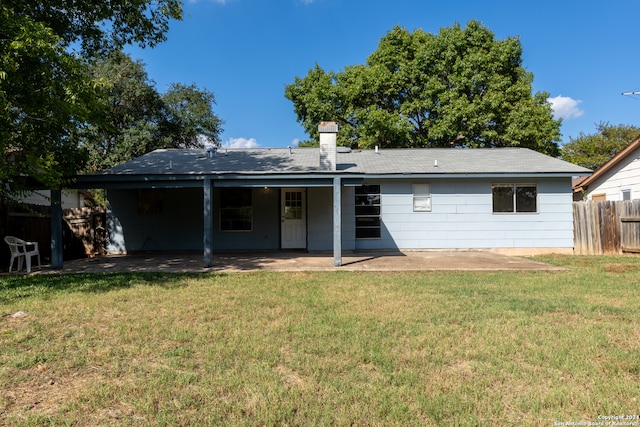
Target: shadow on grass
(15, 288)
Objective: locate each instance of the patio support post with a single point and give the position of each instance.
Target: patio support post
(337, 221)
(208, 220)
(56, 229)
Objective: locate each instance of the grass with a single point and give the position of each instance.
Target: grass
(323, 348)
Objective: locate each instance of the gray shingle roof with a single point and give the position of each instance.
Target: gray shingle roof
(306, 160)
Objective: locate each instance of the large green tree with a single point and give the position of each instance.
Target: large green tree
(46, 92)
(138, 119)
(43, 93)
(126, 126)
(461, 87)
(101, 26)
(188, 120)
(594, 150)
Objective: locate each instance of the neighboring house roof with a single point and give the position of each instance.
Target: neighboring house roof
(274, 161)
(610, 165)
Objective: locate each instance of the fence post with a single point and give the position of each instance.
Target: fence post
(56, 229)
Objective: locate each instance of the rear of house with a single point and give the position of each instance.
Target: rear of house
(512, 200)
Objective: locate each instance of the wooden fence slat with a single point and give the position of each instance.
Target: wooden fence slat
(606, 227)
(33, 223)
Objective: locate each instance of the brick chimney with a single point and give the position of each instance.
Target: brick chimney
(328, 141)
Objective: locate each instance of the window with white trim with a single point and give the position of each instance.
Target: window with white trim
(421, 197)
(367, 210)
(515, 198)
(626, 194)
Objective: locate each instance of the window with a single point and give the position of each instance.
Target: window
(293, 205)
(626, 194)
(367, 210)
(511, 198)
(421, 197)
(236, 209)
(150, 201)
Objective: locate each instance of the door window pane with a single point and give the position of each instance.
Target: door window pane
(293, 205)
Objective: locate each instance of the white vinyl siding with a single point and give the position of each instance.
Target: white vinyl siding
(70, 198)
(514, 198)
(178, 226)
(320, 218)
(462, 217)
(624, 176)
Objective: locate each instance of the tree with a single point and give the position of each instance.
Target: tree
(99, 27)
(125, 128)
(594, 150)
(46, 92)
(460, 88)
(138, 119)
(188, 120)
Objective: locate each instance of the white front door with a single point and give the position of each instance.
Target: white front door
(294, 218)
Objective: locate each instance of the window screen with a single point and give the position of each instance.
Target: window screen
(512, 198)
(367, 209)
(421, 197)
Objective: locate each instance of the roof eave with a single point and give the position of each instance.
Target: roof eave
(195, 180)
(610, 164)
(456, 175)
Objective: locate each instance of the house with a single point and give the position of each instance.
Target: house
(333, 199)
(71, 199)
(618, 179)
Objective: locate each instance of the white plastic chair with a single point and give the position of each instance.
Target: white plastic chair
(20, 252)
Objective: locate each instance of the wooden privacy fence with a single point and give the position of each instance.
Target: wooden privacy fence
(82, 230)
(606, 227)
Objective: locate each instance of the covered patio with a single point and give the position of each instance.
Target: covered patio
(191, 262)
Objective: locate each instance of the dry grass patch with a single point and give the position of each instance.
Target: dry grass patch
(619, 267)
(520, 348)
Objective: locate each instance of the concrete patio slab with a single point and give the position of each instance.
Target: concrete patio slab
(301, 261)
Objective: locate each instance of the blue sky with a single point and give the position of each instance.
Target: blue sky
(583, 53)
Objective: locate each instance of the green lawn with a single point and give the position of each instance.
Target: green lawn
(341, 348)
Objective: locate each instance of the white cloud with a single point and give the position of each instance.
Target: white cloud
(295, 142)
(204, 140)
(565, 107)
(241, 143)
